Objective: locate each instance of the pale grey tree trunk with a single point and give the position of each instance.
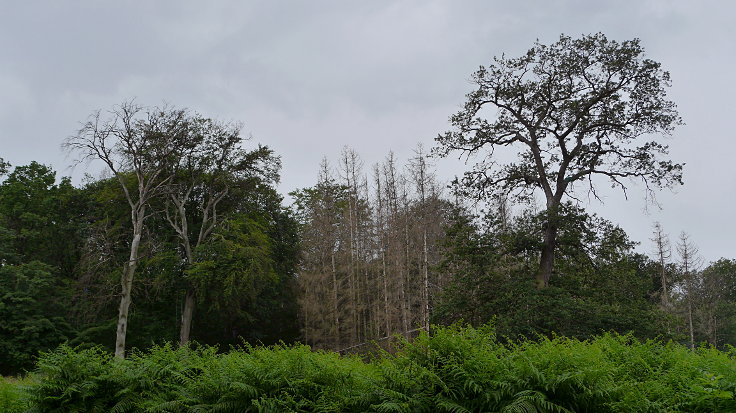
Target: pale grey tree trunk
(663, 252)
(180, 224)
(126, 296)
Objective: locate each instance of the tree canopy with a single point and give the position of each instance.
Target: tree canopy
(572, 111)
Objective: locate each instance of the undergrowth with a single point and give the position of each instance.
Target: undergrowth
(13, 397)
(456, 369)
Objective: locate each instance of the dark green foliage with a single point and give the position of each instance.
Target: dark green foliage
(281, 379)
(74, 381)
(61, 250)
(30, 319)
(199, 380)
(244, 272)
(233, 266)
(3, 167)
(36, 269)
(600, 284)
(457, 369)
(247, 274)
(714, 296)
(13, 397)
(38, 212)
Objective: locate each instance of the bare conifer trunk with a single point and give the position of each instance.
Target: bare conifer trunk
(380, 229)
(690, 261)
(690, 322)
(715, 331)
(335, 306)
(387, 313)
(419, 167)
(381, 254)
(407, 261)
(425, 295)
(403, 298)
(663, 252)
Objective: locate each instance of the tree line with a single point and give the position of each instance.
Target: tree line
(353, 262)
(184, 237)
(186, 218)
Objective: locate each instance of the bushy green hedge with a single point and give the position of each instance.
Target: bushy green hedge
(457, 369)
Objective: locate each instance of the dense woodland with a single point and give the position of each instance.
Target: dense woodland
(184, 236)
(357, 257)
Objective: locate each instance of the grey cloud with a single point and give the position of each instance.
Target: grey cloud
(310, 77)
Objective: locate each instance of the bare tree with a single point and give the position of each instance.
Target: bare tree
(395, 185)
(426, 191)
(350, 165)
(380, 228)
(690, 262)
(137, 145)
(663, 252)
(321, 277)
(381, 249)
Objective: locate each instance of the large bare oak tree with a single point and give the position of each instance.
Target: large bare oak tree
(558, 117)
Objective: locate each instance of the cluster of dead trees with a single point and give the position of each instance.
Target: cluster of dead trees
(370, 245)
(700, 295)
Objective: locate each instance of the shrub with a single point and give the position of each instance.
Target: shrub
(456, 369)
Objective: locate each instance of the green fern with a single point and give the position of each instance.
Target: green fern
(456, 369)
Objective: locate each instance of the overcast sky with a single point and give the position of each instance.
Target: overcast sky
(310, 77)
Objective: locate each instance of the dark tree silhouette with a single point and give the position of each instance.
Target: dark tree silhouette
(571, 111)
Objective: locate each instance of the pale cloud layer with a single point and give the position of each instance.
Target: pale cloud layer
(308, 78)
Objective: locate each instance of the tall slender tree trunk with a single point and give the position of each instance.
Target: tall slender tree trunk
(689, 284)
(715, 331)
(187, 312)
(664, 297)
(352, 290)
(402, 291)
(421, 181)
(690, 322)
(335, 308)
(662, 244)
(385, 292)
(380, 230)
(126, 282)
(425, 295)
(407, 272)
(125, 300)
(689, 261)
(306, 320)
(186, 317)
